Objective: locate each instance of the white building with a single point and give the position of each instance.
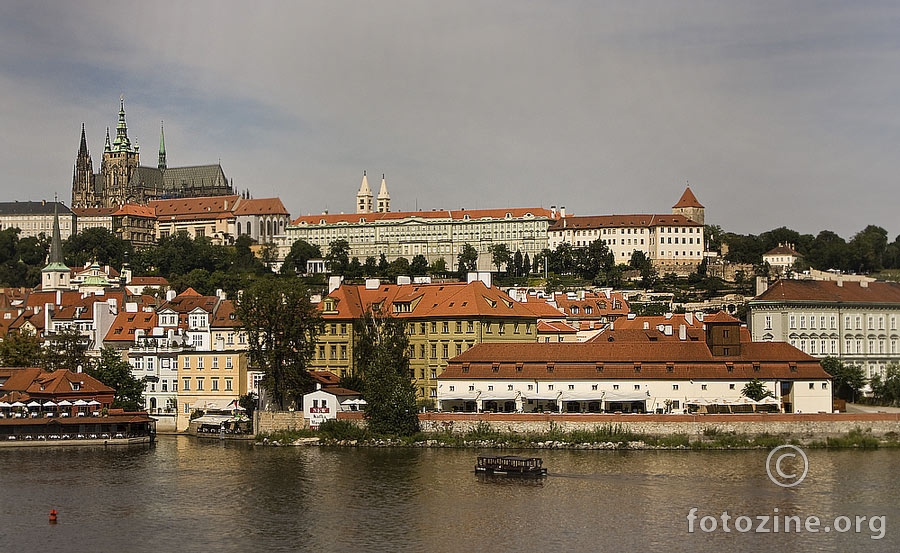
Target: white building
(325, 403)
(673, 242)
(635, 371)
(856, 322)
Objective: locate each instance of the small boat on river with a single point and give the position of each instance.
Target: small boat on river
(511, 465)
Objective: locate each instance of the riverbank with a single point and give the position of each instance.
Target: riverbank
(611, 436)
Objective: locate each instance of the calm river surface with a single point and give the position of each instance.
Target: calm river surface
(188, 495)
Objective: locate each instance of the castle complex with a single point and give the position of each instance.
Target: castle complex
(123, 180)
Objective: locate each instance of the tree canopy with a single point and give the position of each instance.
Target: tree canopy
(281, 325)
(382, 358)
(115, 372)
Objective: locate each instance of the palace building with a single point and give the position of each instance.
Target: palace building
(122, 179)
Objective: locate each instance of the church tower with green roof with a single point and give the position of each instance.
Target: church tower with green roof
(55, 276)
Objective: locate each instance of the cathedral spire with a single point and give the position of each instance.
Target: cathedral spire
(121, 142)
(83, 149)
(162, 147)
(107, 147)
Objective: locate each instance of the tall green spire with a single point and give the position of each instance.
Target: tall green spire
(121, 143)
(162, 147)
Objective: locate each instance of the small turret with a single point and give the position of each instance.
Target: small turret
(384, 199)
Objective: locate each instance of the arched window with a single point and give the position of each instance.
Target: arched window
(239, 229)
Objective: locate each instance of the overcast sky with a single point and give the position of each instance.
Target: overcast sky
(776, 113)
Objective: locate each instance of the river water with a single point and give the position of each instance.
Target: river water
(184, 494)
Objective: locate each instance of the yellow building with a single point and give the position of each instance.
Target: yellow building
(209, 381)
(443, 321)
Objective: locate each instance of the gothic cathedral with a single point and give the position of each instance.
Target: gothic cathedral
(123, 180)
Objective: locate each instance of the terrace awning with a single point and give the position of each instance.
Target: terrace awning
(625, 397)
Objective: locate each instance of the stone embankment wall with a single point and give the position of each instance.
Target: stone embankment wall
(267, 422)
(803, 426)
(818, 425)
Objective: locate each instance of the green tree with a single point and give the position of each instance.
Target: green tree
(867, 249)
(115, 372)
(382, 357)
(65, 349)
(467, 260)
(526, 265)
(500, 255)
(398, 267)
(847, 380)
(301, 252)
(248, 402)
(338, 257)
(438, 267)
(282, 326)
(20, 349)
(370, 267)
(95, 244)
(756, 390)
(419, 266)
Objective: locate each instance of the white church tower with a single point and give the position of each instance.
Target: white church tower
(364, 196)
(384, 199)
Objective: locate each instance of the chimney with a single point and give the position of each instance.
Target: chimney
(863, 284)
(668, 330)
(762, 284)
(840, 282)
(562, 212)
(170, 295)
(646, 325)
(682, 332)
(553, 212)
(689, 317)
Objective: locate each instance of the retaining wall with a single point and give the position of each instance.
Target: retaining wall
(266, 421)
(802, 426)
(819, 425)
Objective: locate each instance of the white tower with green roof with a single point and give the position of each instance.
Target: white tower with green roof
(55, 276)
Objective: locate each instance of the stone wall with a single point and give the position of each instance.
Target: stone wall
(806, 426)
(267, 422)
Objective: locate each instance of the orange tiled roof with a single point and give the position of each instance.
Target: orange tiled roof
(326, 378)
(788, 290)
(431, 300)
(456, 215)
(137, 210)
(148, 281)
(261, 206)
(125, 324)
(620, 221)
(599, 305)
(93, 211)
(688, 199)
(555, 327)
(632, 360)
(225, 315)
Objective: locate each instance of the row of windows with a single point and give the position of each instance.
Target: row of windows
(851, 322)
(851, 346)
(149, 363)
(200, 384)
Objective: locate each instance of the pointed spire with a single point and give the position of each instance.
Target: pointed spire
(83, 149)
(107, 147)
(688, 199)
(121, 142)
(364, 196)
(162, 147)
(384, 199)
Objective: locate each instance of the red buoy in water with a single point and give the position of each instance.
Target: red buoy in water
(52, 516)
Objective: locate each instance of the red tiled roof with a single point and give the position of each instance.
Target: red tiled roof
(261, 206)
(431, 300)
(59, 383)
(148, 281)
(225, 315)
(337, 391)
(456, 215)
(326, 378)
(688, 199)
(555, 327)
(788, 290)
(600, 305)
(630, 360)
(620, 221)
(125, 324)
(136, 210)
